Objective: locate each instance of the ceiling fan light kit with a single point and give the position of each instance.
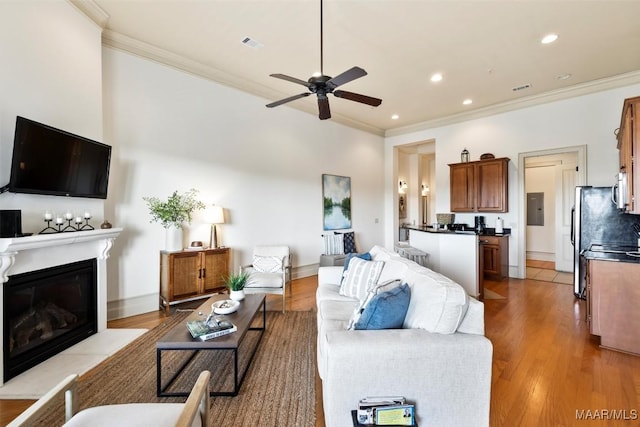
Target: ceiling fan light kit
(322, 85)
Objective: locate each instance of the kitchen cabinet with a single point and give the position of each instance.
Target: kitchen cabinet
(628, 135)
(495, 251)
(189, 275)
(481, 186)
(613, 297)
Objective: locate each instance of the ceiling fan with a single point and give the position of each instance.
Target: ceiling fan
(323, 85)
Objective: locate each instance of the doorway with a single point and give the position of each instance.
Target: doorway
(548, 180)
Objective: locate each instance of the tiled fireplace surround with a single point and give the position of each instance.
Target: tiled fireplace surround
(25, 254)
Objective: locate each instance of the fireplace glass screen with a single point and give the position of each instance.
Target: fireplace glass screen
(46, 312)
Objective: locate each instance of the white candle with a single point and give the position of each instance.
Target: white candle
(78, 219)
(68, 215)
(48, 216)
(87, 215)
(59, 220)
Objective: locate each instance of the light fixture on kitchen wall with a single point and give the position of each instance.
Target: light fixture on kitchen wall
(402, 185)
(425, 190)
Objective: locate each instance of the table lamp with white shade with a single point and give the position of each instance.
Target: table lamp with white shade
(216, 216)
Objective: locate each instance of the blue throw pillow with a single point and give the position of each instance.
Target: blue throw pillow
(386, 310)
(365, 256)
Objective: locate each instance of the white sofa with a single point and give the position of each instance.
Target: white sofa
(440, 360)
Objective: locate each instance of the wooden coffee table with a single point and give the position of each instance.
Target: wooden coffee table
(178, 339)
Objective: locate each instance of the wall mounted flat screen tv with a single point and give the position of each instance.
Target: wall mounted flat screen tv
(51, 161)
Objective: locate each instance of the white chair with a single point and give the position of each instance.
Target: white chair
(270, 271)
(194, 412)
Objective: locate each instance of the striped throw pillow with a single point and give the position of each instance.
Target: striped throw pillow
(360, 277)
(333, 244)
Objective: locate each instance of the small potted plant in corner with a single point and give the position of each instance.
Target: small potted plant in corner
(172, 213)
(236, 283)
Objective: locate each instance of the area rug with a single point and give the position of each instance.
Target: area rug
(279, 388)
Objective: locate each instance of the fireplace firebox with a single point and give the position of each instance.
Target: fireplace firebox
(47, 311)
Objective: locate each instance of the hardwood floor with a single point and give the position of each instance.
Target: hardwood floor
(547, 369)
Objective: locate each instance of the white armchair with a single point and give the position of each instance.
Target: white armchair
(270, 271)
(194, 412)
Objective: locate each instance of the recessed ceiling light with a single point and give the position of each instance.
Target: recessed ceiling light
(549, 38)
(564, 76)
(395, 117)
(436, 77)
(467, 102)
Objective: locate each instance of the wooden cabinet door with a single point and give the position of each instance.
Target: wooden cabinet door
(184, 275)
(215, 267)
(491, 186)
(614, 298)
(628, 136)
(491, 255)
(462, 193)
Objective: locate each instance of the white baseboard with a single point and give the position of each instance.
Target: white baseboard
(132, 306)
(147, 303)
(304, 271)
(541, 256)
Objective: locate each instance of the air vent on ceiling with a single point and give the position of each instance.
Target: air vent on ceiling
(521, 87)
(248, 41)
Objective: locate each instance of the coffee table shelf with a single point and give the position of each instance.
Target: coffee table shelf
(178, 339)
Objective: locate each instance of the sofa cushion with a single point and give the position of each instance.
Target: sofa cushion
(386, 310)
(360, 277)
(438, 304)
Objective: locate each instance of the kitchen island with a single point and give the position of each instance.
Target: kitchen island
(456, 254)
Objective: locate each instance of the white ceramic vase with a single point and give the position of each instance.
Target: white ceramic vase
(173, 239)
(236, 295)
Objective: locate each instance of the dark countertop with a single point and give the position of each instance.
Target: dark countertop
(614, 253)
(467, 230)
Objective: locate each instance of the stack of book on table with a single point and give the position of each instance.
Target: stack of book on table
(384, 411)
(210, 328)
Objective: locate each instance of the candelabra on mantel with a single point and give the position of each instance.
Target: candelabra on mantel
(68, 217)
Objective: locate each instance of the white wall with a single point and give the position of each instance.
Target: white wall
(50, 72)
(585, 120)
(541, 239)
(173, 131)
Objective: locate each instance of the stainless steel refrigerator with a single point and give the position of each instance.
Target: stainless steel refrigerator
(596, 220)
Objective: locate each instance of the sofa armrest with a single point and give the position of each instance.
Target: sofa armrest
(448, 377)
(330, 274)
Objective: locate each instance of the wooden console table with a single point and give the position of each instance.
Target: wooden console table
(189, 275)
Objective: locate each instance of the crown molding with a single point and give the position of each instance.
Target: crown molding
(91, 9)
(599, 85)
(142, 49)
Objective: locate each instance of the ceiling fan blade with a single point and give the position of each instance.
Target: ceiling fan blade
(289, 99)
(374, 102)
(346, 77)
(291, 79)
(323, 107)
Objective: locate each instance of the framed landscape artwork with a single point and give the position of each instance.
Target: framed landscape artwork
(336, 200)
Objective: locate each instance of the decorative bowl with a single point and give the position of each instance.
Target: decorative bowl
(225, 306)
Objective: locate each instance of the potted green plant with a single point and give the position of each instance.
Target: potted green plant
(236, 283)
(172, 213)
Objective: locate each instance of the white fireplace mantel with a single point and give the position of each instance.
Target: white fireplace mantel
(15, 248)
(31, 253)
